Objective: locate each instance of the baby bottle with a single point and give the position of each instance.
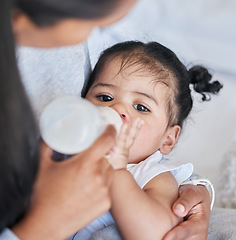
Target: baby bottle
(71, 124)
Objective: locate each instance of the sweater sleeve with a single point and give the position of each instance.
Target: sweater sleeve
(7, 234)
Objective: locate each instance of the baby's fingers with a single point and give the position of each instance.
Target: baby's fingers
(133, 132)
(128, 133)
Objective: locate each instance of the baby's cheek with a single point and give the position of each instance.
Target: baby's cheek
(141, 148)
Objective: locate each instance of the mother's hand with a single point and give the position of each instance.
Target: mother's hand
(69, 194)
(193, 204)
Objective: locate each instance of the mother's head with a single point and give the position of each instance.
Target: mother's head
(50, 23)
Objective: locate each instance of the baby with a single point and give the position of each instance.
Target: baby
(150, 89)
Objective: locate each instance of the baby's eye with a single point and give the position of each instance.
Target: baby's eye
(104, 98)
(141, 108)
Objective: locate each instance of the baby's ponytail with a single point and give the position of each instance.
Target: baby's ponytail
(201, 80)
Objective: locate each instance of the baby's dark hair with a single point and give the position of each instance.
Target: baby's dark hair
(165, 66)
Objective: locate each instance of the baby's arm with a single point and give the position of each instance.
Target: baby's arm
(140, 213)
(143, 214)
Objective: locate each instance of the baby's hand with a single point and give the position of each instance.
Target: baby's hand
(118, 157)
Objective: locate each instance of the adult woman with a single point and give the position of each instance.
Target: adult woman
(20, 145)
(52, 214)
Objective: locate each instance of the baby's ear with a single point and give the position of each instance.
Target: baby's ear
(170, 140)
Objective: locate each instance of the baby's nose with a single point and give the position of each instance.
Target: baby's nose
(124, 116)
(122, 110)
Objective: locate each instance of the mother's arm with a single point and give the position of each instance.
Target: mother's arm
(194, 204)
(70, 194)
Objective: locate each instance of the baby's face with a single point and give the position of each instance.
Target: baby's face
(134, 94)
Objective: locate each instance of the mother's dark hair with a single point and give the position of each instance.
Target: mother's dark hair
(19, 139)
(48, 12)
